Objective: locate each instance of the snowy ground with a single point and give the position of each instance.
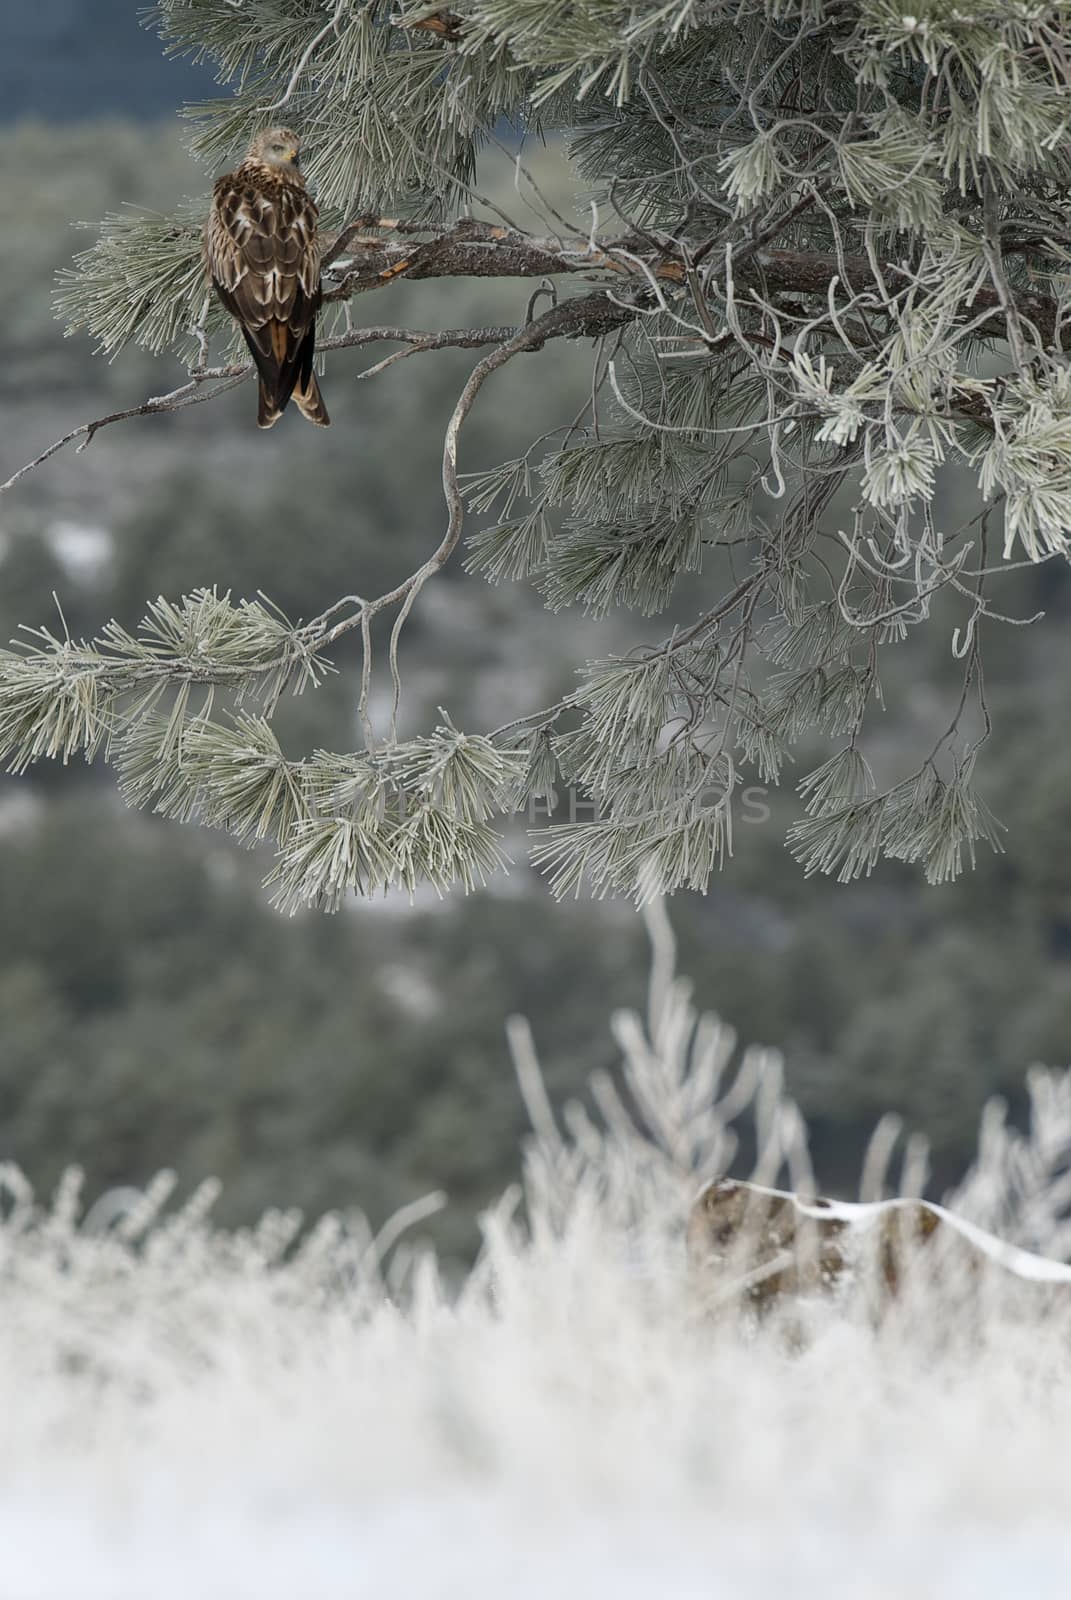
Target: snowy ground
(190, 1429)
(191, 1415)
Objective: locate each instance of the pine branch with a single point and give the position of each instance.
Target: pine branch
(482, 250)
(472, 249)
(587, 317)
(811, 225)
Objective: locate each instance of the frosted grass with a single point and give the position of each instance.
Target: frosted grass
(190, 1413)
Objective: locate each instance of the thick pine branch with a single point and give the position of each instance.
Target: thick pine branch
(473, 249)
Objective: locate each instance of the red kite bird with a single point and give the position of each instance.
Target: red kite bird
(263, 257)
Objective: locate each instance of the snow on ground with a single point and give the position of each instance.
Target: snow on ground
(210, 1425)
(187, 1414)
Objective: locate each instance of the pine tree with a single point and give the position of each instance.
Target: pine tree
(825, 271)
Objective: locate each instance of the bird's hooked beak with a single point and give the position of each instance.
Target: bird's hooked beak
(293, 158)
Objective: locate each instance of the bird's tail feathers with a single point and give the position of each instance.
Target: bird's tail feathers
(282, 379)
(268, 412)
(309, 401)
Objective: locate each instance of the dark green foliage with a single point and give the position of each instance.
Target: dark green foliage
(157, 1013)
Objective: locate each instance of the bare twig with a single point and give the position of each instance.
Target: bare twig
(187, 394)
(207, 383)
(560, 321)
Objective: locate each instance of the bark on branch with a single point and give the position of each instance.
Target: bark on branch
(356, 262)
(472, 249)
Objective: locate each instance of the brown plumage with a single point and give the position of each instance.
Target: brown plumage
(263, 256)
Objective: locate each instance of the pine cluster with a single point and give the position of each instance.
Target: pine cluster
(831, 239)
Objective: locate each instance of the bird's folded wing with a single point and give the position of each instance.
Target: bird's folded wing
(263, 255)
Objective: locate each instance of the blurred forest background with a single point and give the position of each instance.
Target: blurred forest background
(157, 1011)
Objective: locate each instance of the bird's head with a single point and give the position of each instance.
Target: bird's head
(277, 147)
